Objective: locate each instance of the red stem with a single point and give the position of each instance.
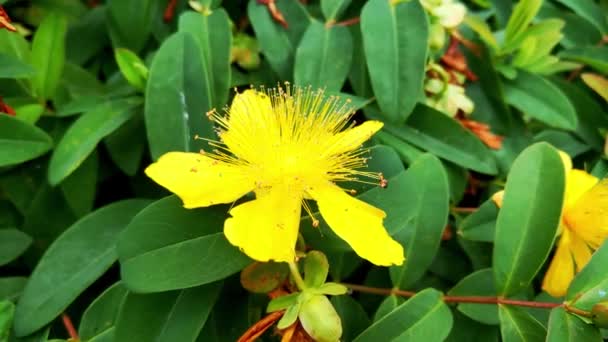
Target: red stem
(67, 323)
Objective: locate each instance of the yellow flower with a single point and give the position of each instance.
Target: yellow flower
(287, 146)
(583, 227)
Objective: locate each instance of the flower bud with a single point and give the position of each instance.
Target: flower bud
(320, 320)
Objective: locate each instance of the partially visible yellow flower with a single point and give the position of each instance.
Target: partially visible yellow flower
(583, 226)
(287, 146)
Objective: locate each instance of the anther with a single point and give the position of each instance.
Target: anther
(315, 223)
(196, 137)
(383, 181)
(353, 192)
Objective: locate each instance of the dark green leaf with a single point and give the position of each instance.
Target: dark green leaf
(11, 67)
(212, 33)
(528, 220)
(395, 39)
(541, 100)
(168, 247)
(21, 141)
(85, 133)
(441, 135)
(175, 101)
(426, 212)
(126, 145)
(353, 317)
(389, 304)
(594, 56)
(101, 315)
(13, 243)
(7, 311)
(130, 22)
(73, 262)
(332, 9)
(48, 55)
(80, 187)
(590, 11)
(565, 327)
(278, 44)
(590, 286)
(480, 283)
(323, 57)
(424, 317)
(166, 317)
(11, 287)
(480, 225)
(518, 326)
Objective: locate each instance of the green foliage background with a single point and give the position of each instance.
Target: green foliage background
(103, 88)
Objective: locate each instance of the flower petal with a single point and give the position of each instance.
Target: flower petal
(198, 180)
(580, 251)
(561, 271)
(249, 124)
(577, 183)
(267, 227)
(588, 216)
(359, 224)
(351, 139)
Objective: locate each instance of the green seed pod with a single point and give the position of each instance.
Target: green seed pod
(320, 319)
(599, 315)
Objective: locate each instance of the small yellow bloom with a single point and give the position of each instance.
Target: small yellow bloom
(286, 146)
(583, 226)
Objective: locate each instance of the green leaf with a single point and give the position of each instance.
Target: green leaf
(528, 219)
(520, 19)
(80, 187)
(175, 101)
(594, 56)
(7, 311)
(100, 316)
(479, 283)
(168, 247)
(13, 243)
(132, 68)
(73, 262)
(20, 141)
(423, 317)
(565, 327)
(214, 38)
(353, 317)
(130, 22)
(126, 145)
(358, 75)
(48, 55)
(541, 100)
(166, 317)
(395, 39)
(323, 57)
(441, 135)
(590, 286)
(316, 268)
(11, 67)
(590, 11)
(517, 325)
(85, 133)
(11, 287)
(389, 304)
(426, 212)
(480, 225)
(283, 302)
(277, 43)
(332, 9)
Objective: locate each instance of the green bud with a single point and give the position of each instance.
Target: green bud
(320, 320)
(316, 268)
(599, 315)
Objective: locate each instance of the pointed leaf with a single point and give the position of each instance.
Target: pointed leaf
(423, 317)
(130, 22)
(565, 327)
(323, 57)
(158, 247)
(590, 286)
(73, 262)
(516, 325)
(175, 101)
(48, 55)
(13, 243)
(100, 316)
(21, 141)
(166, 317)
(427, 213)
(395, 36)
